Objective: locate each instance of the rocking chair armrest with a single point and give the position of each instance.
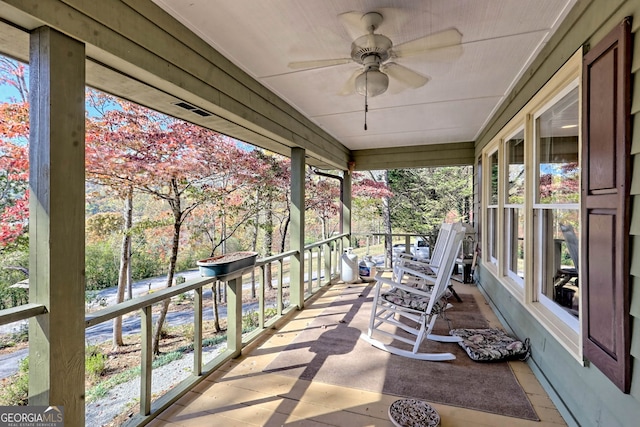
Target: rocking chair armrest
(414, 290)
(421, 263)
(421, 275)
(392, 283)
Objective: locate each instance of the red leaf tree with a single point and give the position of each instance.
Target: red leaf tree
(14, 173)
(184, 165)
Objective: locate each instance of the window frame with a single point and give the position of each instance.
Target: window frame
(554, 321)
(492, 210)
(506, 270)
(539, 296)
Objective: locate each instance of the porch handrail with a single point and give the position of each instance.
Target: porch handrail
(21, 312)
(141, 302)
(388, 263)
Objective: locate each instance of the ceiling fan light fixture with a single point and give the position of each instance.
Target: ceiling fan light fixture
(372, 83)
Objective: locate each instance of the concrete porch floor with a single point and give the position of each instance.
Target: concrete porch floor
(240, 394)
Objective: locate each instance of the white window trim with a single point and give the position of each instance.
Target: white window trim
(565, 331)
(491, 260)
(517, 280)
(562, 315)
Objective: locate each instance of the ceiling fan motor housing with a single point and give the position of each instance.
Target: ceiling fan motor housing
(371, 44)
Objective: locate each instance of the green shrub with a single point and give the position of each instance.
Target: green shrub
(187, 259)
(10, 340)
(102, 264)
(145, 265)
(9, 261)
(250, 320)
(95, 362)
(188, 331)
(15, 390)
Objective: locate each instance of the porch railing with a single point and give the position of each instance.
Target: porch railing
(325, 254)
(407, 239)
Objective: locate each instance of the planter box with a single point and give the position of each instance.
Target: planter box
(224, 265)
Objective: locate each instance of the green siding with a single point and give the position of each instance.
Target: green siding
(420, 156)
(583, 394)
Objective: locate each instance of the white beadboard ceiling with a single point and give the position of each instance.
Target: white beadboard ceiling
(499, 40)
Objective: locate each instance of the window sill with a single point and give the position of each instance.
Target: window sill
(562, 332)
(568, 337)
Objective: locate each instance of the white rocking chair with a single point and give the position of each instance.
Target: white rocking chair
(429, 266)
(395, 301)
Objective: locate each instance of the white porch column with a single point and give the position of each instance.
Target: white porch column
(296, 287)
(346, 203)
(56, 222)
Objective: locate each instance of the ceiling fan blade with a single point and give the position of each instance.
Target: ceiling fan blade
(444, 39)
(405, 76)
(318, 63)
(350, 85)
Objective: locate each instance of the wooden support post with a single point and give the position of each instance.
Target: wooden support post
(296, 275)
(56, 222)
(346, 210)
(346, 203)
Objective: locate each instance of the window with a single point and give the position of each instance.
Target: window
(492, 208)
(532, 206)
(556, 209)
(514, 207)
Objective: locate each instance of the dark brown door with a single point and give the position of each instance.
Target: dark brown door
(606, 129)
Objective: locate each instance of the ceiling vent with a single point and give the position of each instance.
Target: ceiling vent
(193, 109)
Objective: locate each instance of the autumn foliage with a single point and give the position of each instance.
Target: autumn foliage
(218, 187)
(14, 172)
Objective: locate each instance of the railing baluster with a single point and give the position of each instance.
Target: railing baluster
(280, 284)
(197, 332)
(234, 316)
(261, 305)
(146, 368)
(319, 267)
(327, 261)
(310, 272)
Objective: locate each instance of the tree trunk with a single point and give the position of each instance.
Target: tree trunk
(216, 312)
(177, 224)
(165, 304)
(254, 243)
(386, 215)
(125, 265)
(268, 241)
(129, 281)
(285, 230)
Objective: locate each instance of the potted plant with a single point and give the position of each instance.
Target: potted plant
(223, 265)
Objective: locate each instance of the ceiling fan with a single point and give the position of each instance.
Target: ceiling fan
(376, 53)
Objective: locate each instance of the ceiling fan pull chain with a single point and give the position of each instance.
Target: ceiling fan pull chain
(366, 105)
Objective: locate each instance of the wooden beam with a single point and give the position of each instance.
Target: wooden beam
(419, 156)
